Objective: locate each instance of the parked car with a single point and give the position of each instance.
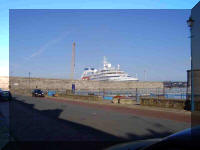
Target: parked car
(37, 93)
(1, 90)
(183, 140)
(5, 95)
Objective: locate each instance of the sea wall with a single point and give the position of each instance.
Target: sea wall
(81, 97)
(161, 102)
(64, 84)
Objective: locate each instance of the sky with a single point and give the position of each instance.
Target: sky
(152, 40)
(52, 38)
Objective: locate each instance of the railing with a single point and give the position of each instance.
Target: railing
(168, 93)
(135, 93)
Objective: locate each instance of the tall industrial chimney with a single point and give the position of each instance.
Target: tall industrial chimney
(73, 61)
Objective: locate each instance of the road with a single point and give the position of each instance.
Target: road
(41, 119)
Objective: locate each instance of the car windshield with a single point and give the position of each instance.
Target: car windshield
(5, 93)
(38, 91)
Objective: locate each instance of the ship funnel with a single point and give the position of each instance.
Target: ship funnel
(118, 66)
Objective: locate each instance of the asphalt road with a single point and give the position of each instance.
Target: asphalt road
(41, 119)
(4, 130)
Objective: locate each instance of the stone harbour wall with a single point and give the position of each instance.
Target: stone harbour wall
(64, 84)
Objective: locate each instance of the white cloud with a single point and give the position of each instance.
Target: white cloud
(47, 45)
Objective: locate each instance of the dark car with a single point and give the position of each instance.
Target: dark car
(38, 93)
(184, 140)
(5, 95)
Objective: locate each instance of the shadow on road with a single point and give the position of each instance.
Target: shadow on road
(43, 129)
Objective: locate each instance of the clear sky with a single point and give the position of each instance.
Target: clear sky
(74, 4)
(152, 40)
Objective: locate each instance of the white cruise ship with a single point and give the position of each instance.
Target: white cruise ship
(108, 73)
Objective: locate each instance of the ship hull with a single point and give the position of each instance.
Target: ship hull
(110, 79)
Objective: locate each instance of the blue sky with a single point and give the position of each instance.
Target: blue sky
(75, 4)
(151, 40)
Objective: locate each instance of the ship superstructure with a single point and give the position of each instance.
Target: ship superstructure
(108, 73)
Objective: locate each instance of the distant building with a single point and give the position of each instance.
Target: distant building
(178, 84)
(4, 82)
(195, 51)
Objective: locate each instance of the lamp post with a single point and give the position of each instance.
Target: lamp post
(190, 23)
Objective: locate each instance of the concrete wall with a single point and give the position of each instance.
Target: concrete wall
(63, 84)
(196, 84)
(4, 82)
(165, 103)
(82, 97)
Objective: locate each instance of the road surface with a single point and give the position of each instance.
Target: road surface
(41, 119)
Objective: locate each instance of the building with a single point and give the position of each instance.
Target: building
(194, 76)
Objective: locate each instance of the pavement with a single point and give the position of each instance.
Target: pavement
(44, 119)
(136, 108)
